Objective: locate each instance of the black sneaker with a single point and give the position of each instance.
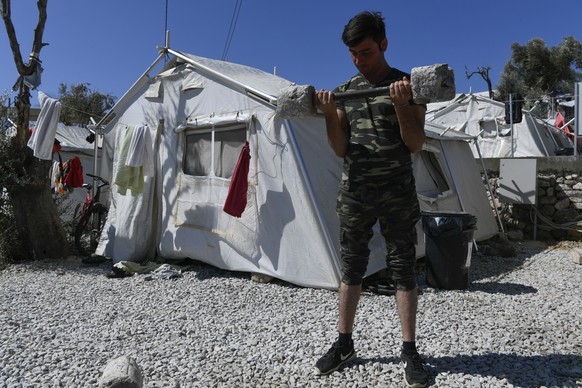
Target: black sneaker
(335, 357)
(415, 375)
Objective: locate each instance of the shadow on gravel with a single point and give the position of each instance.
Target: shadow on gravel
(488, 287)
(205, 271)
(502, 288)
(524, 371)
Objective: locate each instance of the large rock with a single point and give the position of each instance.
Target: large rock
(562, 204)
(566, 215)
(576, 255)
(121, 372)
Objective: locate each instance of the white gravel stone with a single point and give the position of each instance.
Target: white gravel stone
(518, 324)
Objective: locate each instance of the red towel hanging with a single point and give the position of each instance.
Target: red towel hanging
(75, 176)
(560, 121)
(236, 200)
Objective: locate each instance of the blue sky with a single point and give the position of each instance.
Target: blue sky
(109, 44)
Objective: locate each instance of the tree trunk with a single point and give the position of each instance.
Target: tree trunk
(37, 220)
(41, 233)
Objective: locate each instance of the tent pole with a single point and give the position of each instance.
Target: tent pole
(578, 103)
(489, 189)
(156, 234)
(455, 183)
(111, 112)
(311, 191)
(533, 119)
(249, 90)
(511, 123)
(95, 154)
(100, 126)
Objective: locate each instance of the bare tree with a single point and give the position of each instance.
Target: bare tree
(37, 221)
(484, 73)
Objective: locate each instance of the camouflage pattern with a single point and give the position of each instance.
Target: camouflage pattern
(377, 186)
(394, 204)
(375, 149)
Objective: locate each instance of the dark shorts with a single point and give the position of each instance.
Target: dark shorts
(394, 205)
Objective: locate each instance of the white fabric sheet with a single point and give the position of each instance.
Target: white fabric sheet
(43, 137)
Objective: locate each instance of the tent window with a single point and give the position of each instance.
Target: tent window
(430, 181)
(226, 147)
(488, 128)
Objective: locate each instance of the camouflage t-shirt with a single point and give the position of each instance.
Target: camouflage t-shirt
(376, 150)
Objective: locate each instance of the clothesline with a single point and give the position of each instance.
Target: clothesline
(68, 107)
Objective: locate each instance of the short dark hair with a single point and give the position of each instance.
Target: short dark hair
(364, 25)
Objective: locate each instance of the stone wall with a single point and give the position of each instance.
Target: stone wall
(558, 209)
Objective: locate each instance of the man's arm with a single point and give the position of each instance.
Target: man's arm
(410, 117)
(335, 122)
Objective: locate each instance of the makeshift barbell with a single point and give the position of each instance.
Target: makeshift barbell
(432, 83)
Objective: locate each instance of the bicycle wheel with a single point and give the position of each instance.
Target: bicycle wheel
(88, 230)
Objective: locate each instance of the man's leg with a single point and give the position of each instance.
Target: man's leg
(342, 351)
(407, 302)
(415, 374)
(348, 303)
(356, 224)
(399, 230)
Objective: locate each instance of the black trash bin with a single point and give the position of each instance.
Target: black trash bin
(449, 237)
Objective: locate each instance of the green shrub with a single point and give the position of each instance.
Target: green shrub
(10, 241)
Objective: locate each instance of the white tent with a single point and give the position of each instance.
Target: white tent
(448, 179)
(198, 113)
(484, 119)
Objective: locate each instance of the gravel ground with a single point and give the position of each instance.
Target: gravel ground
(519, 324)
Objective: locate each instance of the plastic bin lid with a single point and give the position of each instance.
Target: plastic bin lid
(437, 223)
(440, 213)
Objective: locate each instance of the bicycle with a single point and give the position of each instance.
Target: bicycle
(92, 219)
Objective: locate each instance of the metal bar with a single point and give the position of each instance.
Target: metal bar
(533, 119)
(145, 74)
(254, 92)
(362, 93)
(577, 117)
(535, 231)
(95, 158)
(490, 190)
(568, 123)
(511, 121)
(455, 184)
